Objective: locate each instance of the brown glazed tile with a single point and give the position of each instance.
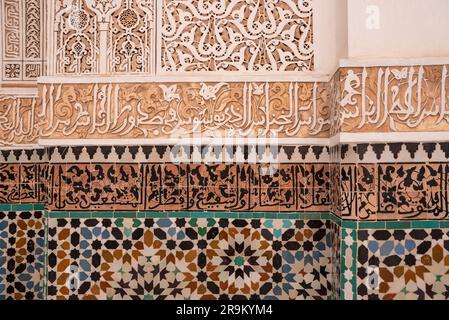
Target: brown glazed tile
(288, 200)
(305, 176)
(28, 173)
(244, 177)
(213, 199)
(265, 200)
(313, 175)
(348, 206)
(9, 174)
(77, 186)
(28, 193)
(411, 177)
(268, 176)
(239, 199)
(170, 175)
(387, 177)
(9, 193)
(42, 193)
(102, 186)
(231, 174)
(366, 177)
(198, 175)
(55, 186)
(151, 199)
(437, 204)
(367, 205)
(173, 199)
(183, 174)
(314, 200)
(348, 178)
(128, 186)
(152, 175)
(412, 205)
(434, 179)
(288, 176)
(42, 172)
(387, 206)
(194, 195)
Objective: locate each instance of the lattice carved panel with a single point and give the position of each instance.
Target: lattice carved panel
(23, 43)
(236, 35)
(113, 36)
(76, 40)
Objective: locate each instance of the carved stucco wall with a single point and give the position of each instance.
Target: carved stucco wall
(356, 100)
(23, 44)
(89, 141)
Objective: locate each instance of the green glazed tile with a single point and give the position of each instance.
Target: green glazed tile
(203, 214)
(140, 215)
(81, 215)
(5, 207)
(270, 215)
(103, 214)
(22, 207)
(125, 214)
(288, 216)
(324, 216)
(372, 225)
(179, 214)
(154, 214)
(349, 224)
(444, 224)
(425, 224)
(310, 216)
(226, 215)
(59, 214)
(246, 215)
(258, 215)
(398, 225)
(39, 206)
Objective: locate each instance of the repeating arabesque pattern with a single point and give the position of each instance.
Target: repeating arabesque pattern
(228, 35)
(118, 36)
(103, 36)
(211, 258)
(196, 35)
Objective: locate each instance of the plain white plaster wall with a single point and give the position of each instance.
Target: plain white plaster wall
(408, 28)
(330, 34)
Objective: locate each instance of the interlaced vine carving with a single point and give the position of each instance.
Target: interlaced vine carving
(117, 32)
(77, 44)
(131, 36)
(237, 35)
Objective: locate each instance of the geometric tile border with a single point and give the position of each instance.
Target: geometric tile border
(22, 260)
(189, 258)
(348, 264)
(404, 264)
(373, 252)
